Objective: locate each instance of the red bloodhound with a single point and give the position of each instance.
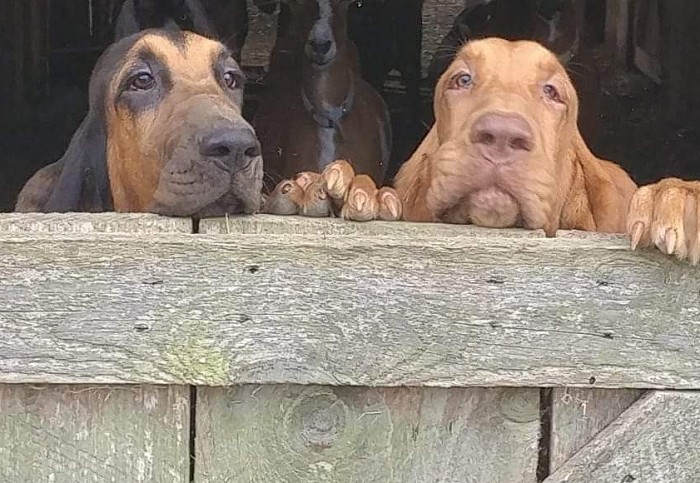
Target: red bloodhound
(164, 134)
(505, 151)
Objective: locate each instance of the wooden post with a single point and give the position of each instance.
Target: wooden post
(617, 29)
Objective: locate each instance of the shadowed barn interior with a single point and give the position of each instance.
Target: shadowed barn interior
(647, 117)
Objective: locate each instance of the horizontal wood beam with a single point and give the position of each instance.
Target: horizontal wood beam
(375, 304)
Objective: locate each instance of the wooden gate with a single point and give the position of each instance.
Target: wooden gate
(264, 349)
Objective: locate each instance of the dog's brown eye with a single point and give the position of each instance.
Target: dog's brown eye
(142, 82)
(463, 81)
(551, 93)
(230, 80)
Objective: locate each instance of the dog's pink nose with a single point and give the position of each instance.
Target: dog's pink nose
(502, 138)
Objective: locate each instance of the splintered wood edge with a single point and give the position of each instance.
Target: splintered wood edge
(55, 223)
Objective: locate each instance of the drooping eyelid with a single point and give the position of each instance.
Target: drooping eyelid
(131, 71)
(144, 61)
(560, 84)
(224, 62)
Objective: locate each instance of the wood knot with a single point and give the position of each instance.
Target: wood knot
(520, 405)
(319, 419)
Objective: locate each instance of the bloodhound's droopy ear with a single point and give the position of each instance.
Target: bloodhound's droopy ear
(83, 184)
(413, 180)
(608, 189)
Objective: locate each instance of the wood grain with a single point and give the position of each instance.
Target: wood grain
(655, 440)
(579, 414)
(438, 18)
(298, 225)
(92, 223)
(308, 434)
(345, 310)
(68, 434)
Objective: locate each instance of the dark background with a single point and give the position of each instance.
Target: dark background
(647, 51)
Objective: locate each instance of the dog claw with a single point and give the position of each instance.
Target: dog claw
(315, 202)
(335, 192)
(390, 207)
(670, 241)
(338, 176)
(305, 178)
(636, 235)
(359, 200)
(284, 199)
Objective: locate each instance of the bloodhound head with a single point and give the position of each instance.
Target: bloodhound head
(164, 134)
(505, 150)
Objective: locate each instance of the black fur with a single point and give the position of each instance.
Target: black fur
(138, 15)
(83, 185)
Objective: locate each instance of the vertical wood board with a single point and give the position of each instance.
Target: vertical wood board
(579, 414)
(617, 29)
(313, 434)
(657, 440)
(70, 434)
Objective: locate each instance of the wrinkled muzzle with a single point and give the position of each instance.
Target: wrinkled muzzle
(212, 162)
(500, 130)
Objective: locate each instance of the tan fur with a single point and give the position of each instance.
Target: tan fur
(141, 150)
(667, 215)
(560, 185)
(338, 191)
(134, 143)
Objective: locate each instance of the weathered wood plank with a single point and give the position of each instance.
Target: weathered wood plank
(655, 440)
(298, 225)
(92, 223)
(345, 310)
(262, 33)
(438, 18)
(398, 435)
(68, 434)
(579, 414)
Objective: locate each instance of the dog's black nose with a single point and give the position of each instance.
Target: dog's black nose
(232, 146)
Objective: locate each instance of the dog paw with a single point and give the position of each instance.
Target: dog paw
(285, 199)
(667, 215)
(304, 195)
(337, 191)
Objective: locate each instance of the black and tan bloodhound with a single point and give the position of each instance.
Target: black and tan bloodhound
(164, 134)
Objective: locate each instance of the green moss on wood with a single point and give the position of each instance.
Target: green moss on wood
(196, 357)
